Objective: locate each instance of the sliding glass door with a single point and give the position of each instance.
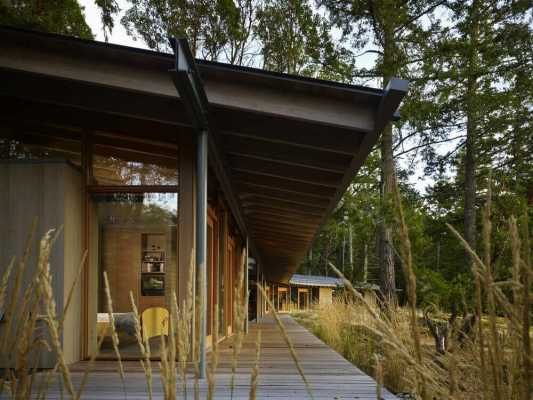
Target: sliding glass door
(132, 218)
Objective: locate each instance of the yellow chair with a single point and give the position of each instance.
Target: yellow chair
(154, 321)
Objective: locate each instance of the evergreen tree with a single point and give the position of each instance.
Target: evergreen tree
(216, 30)
(296, 40)
(477, 61)
(395, 29)
(64, 17)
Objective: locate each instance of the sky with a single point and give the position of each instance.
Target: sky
(119, 36)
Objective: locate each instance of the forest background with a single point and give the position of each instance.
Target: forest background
(466, 120)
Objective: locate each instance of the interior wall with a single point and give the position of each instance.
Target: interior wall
(122, 267)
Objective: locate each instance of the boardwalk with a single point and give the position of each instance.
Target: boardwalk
(330, 375)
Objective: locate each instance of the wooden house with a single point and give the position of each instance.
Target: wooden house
(170, 173)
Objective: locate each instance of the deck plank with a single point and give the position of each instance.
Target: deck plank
(329, 374)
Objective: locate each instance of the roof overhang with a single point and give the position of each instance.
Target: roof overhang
(289, 146)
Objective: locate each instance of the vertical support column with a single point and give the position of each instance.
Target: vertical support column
(201, 243)
(258, 294)
(86, 348)
(246, 291)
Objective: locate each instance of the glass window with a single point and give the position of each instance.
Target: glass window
(136, 236)
(119, 160)
(34, 144)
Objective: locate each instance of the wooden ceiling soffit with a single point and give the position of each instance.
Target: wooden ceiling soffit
(289, 155)
(296, 240)
(273, 210)
(277, 215)
(285, 171)
(289, 199)
(278, 103)
(250, 187)
(283, 184)
(93, 98)
(292, 242)
(246, 191)
(114, 140)
(136, 70)
(264, 240)
(281, 234)
(283, 228)
(292, 132)
(296, 223)
(284, 205)
(74, 118)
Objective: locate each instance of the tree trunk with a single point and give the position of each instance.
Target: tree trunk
(365, 263)
(350, 251)
(470, 189)
(471, 137)
(386, 254)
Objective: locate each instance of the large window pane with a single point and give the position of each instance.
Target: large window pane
(127, 161)
(137, 247)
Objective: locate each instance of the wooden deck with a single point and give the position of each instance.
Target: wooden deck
(329, 374)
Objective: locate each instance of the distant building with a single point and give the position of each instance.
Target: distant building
(303, 292)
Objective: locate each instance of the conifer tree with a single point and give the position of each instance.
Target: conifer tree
(394, 28)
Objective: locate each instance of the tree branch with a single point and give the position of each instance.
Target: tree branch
(428, 144)
(420, 15)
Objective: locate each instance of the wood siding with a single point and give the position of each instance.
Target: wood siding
(49, 191)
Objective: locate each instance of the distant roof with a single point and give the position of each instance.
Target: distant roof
(315, 280)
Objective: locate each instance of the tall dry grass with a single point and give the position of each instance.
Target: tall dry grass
(33, 326)
(240, 307)
(493, 362)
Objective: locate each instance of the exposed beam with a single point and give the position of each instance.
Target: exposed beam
(251, 196)
(115, 101)
(135, 70)
(285, 216)
(283, 184)
(291, 241)
(284, 171)
(285, 221)
(287, 132)
(16, 110)
(289, 155)
(281, 251)
(282, 211)
(282, 233)
(282, 227)
(250, 191)
(284, 205)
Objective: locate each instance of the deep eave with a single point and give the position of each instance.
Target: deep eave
(289, 146)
